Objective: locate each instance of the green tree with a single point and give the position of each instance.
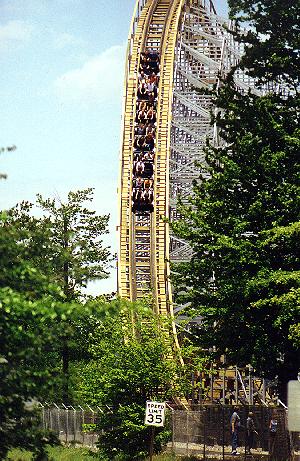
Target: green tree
(30, 339)
(34, 317)
(16, 270)
(65, 246)
(131, 362)
(243, 223)
(23, 334)
(65, 243)
(27, 304)
(272, 41)
(78, 255)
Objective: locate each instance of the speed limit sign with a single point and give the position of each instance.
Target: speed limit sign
(155, 413)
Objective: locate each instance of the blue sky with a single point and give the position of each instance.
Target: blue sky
(61, 90)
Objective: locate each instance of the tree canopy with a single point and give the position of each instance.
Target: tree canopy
(40, 315)
(65, 243)
(243, 223)
(129, 364)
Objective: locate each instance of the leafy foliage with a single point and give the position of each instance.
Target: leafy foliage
(129, 366)
(61, 249)
(23, 336)
(272, 43)
(243, 223)
(65, 243)
(36, 323)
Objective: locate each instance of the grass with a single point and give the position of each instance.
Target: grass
(55, 454)
(79, 454)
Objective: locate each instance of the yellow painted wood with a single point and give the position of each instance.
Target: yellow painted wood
(156, 27)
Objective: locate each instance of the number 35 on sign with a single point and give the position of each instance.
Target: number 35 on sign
(155, 413)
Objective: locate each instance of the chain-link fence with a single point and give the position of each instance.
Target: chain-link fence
(203, 432)
(71, 425)
(206, 433)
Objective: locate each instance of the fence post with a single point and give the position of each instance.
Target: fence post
(193, 387)
(82, 424)
(187, 432)
(75, 423)
(223, 435)
(67, 424)
(173, 429)
(58, 421)
(93, 422)
(236, 386)
(200, 389)
(204, 433)
(43, 416)
(223, 385)
(50, 419)
(264, 390)
(173, 424)
(250, 386)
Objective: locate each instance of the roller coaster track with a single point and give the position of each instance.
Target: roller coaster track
(194, 47)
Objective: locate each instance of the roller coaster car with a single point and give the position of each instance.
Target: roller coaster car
(148, 170)
(142, 92)
(142, 208)
(148, 156)
(142, 201)
(151, 54)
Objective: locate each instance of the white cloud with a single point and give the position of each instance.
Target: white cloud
(100, 78)
(64, 40)
(15, 31)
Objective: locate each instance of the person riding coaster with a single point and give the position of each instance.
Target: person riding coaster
(145, 132)
(148, 170)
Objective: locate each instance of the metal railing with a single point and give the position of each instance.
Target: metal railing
(205, 432)
(72, 425)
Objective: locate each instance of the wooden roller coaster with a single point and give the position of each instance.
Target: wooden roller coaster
(194, 49)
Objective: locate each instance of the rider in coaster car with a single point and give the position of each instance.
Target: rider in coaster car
(138, 183)
(151, 116)
(142, 105)
(146, 68)
(142, 77)
(154, 65)
(152, 100)
(142, 116)
(142, 93)
(149, 141)
(139, 142)
(139, 168)
(140, 130)
(148, 170)
(148, 183)
(154, 78)
(136, 156)
(150, 129)
(148, 156)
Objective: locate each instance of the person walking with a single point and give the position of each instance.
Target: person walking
(273, 426)
(250, 431)
(235, 422)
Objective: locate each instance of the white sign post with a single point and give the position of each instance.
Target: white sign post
(294, 406)
(155, 416)
(155, 413)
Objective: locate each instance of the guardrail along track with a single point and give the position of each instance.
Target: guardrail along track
(194, 48)
(142, 263)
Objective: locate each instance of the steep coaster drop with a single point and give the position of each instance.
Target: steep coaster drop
(174, 48)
